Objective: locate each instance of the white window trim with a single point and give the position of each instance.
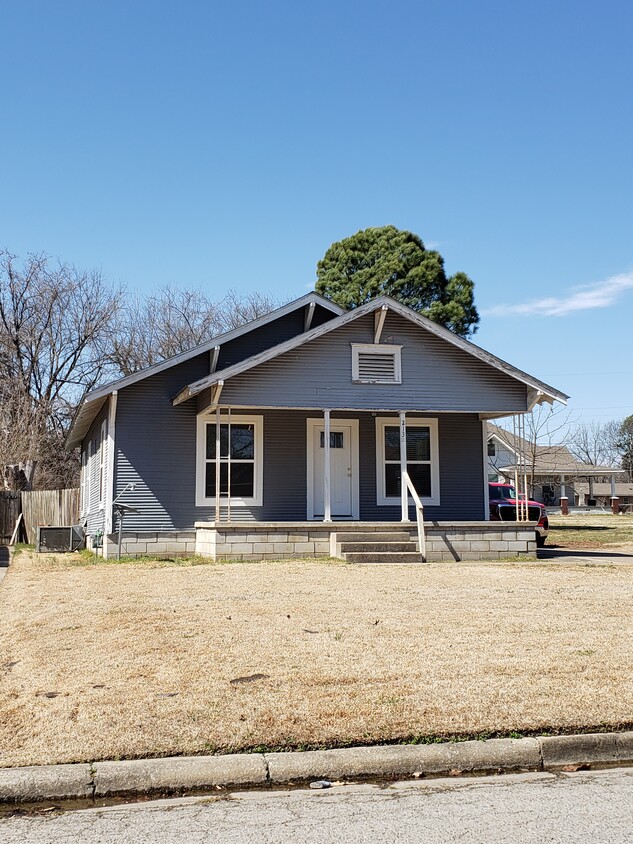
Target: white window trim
(377, 349)
(201, 461)
(414, 422)
(82, 484)
(89, 462)
(102, 464)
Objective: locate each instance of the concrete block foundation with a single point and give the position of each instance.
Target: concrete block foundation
(446, 541)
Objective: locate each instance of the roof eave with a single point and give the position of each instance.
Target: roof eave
(103, 392)
(544, 392)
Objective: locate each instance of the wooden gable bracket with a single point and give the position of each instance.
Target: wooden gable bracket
(214, 354)
(379, 321)
(215, 393)
(309, 313)
(537, 397)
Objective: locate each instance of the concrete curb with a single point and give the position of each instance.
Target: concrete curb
(197, 773)
(45, 782)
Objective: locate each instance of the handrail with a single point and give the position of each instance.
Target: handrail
(419, 513)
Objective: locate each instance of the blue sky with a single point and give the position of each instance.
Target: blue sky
(225, 146)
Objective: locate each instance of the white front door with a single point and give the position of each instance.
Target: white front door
(343, 468)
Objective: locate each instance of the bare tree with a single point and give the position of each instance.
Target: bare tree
(173, 321)
(595, 442)
(55, 321)
(542, 451)
(161, 326)
(237, 310)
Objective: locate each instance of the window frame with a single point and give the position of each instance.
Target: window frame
(383, 422)
(492, 448)
(83, 481)
(377, 349)
(201, 459)
(90, 451)
(102, 464)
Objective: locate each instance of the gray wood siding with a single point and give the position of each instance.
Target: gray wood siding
(95, 517)
(156, 450)
(155, 442)
(265, 337)
(436, 375)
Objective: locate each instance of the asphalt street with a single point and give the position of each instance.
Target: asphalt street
(580, 807)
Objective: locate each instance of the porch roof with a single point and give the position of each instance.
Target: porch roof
(539, 391)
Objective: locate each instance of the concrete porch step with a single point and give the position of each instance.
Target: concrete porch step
(354, 547)
(374, 536)
(384, 557)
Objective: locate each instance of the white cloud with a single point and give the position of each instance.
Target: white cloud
(590, 296)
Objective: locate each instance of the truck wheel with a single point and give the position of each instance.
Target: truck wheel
(540, 541)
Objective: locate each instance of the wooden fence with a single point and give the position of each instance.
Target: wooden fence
(42, 507)
(9, 512)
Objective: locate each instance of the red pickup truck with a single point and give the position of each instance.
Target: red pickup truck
(503, 508)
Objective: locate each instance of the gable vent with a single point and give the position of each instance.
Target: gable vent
(375, 364)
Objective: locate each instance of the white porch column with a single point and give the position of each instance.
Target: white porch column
(404, 492)
(615, 501)
(327, 496)
(217, 463)
(564, 505)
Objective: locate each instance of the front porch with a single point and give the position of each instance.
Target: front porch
(364, 542)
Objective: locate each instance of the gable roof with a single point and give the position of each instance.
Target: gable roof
(621, 488)
(544, 459)
(541, 391)
(94, 400)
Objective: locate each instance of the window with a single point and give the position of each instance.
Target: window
(376, 364)
(84, 481)
(336, 439)
(240, 460)
(90, 450)
(102, 463)
(492, 448)
(422, 460)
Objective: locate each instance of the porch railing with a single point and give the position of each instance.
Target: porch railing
(409, 489)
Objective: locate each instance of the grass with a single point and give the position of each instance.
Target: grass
(154, 658)
(20, 548)
(83, 558)
(591, 531)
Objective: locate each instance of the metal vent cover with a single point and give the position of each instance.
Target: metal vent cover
(372, 367)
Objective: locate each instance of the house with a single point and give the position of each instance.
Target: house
(552, 470)
(600, 495)
(283, 437)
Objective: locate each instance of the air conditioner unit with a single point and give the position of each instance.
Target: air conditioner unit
(56, 538)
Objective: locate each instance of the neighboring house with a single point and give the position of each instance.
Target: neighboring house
(312, 403)
(552, 470)
(600, 494)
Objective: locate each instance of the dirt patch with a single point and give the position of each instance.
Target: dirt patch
(129, 660)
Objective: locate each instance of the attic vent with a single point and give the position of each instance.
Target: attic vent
(376, 364)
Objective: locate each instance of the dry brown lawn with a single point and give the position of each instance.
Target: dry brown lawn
(106, 661)
(591, 530)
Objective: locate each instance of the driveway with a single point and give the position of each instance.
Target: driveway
(589, 556)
